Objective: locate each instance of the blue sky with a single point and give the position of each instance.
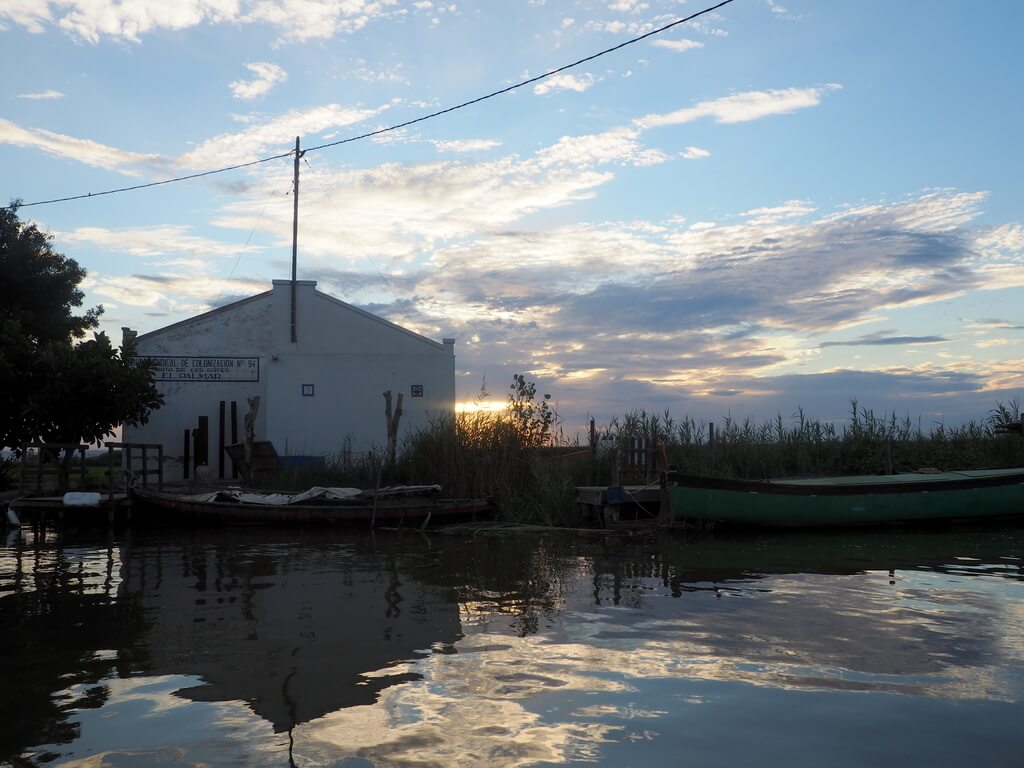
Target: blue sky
(781, 205)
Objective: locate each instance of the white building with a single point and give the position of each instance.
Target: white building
(320, 372)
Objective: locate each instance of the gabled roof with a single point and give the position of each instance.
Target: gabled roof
(276, 283)
(205, 315)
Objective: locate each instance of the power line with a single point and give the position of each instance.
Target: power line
(150, 184)
(379, 131)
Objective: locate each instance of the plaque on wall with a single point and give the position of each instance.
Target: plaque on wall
(168, 368)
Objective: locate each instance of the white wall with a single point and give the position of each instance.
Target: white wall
(349, 357)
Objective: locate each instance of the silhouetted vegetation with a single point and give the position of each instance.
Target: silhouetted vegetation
(519, 456)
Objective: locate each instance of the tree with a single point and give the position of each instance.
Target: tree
(38, 286)
(52, 388)
(533, 419)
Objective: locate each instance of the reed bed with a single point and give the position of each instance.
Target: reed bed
(865, 444)
(520, 459)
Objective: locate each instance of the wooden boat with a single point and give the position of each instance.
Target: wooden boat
(917, 497)
(394, 506)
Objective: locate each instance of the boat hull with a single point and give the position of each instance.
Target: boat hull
(169, 507)
(850, 501)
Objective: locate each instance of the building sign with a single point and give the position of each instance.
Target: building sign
(205, 368)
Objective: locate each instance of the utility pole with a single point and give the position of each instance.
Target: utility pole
(295, 234)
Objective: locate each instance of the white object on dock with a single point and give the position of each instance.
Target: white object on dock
(81, 499)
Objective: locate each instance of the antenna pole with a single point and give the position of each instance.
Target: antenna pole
(295, 234)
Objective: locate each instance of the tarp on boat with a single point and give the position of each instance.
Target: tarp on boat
(314, 494)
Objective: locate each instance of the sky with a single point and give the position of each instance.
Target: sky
(781, 205)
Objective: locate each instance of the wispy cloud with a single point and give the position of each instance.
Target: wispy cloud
(694, 153)
(743, 107)
(466, 145)
(83, 150)
(168, 294)
(42, 96)
(880, 339)
(150, 242)
(565, 82)
(679, 46)
(261, 138)
(618, 145)
(265, 77)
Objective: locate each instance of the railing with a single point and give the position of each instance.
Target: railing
(145, 470)
(50, 461)
(41, 460)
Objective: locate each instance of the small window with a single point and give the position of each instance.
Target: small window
(417, 390)
(307, 390)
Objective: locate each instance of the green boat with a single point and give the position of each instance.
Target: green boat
(917, 497)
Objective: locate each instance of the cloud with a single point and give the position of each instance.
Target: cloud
(679, 46)
(148, 243)
(565, 82)
(256, 140)
(879, 339)
(694, 153)
(676, 311)
(396, 210)
(169, 294)
(33, 16)
(44, 95)
(83, 150)
(628, 6)
(266, 76)
(995, 324)
(742, 107)
(263, 138)
(466, 145)
(94, 20)
(618, 145)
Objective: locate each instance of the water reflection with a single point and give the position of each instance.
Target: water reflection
(290, 628)
(260, 647)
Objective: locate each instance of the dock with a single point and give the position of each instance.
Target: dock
(35, 510)
(611, 504)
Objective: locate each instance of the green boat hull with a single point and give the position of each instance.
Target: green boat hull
(850, 501)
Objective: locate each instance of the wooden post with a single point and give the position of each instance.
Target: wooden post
(392, 425)
(250, 433)
(187, 457)
(234, 434)
(711, 444)
(110, 473)
(220, 440)
(82, 468)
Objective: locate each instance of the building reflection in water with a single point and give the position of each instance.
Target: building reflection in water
(289, 628)
(501, 650)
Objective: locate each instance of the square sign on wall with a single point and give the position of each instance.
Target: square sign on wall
(417, 390)
(307, 390)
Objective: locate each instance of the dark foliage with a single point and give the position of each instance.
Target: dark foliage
(51, 388)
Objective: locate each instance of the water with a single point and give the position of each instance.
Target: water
(253, 647)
